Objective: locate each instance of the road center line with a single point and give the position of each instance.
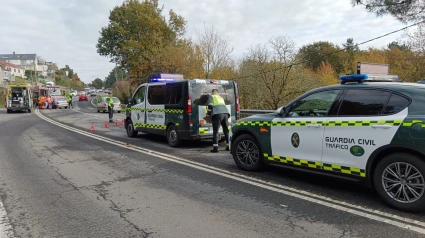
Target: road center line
(387, 218)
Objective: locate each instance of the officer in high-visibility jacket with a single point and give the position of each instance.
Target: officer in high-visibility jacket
(220, 115)
(110, 103)
(69, 101)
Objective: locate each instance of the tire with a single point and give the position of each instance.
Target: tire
(29, 110)
(131, 132)
(251, 143)
(173, 136)
(417, 165)
(98, 110)
(119, 111)
(8, 111)
(66, 107)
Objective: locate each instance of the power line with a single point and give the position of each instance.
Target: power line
(337, 51)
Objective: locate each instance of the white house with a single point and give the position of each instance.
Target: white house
(13, 69)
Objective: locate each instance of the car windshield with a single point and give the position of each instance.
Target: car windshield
(55, 93)
(201, 92)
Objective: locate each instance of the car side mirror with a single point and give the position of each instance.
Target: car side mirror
(281, 111)
(130, 101)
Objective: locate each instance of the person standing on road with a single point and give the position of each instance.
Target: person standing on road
(220, 115)
(110, 103)
(69, 101)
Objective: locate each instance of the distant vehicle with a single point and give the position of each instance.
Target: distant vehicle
(99, 90)
(73, 93)
(60, 102)
(19, 97)
(83, 97)
(92, 93)
(421, 81)
(50, 84)
(86, 90)
(108, 90)
(102, 106)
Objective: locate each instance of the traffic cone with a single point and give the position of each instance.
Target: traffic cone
(123, 121)
(106, 125)
(117, 123)
(92, 127)
(127, 144)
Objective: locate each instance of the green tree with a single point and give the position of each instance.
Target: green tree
(397, 45)
(115, 75)
(137, 34)
(97, 83)
(314, 55)
(403, 10)
(351, 49)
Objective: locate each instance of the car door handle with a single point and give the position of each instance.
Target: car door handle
(314, 125)
(384, 126)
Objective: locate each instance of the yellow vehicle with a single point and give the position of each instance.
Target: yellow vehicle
(19, 97)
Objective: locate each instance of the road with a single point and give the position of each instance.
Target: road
(58, 179)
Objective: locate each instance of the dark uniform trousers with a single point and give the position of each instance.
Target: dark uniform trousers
(111, 112)
(217, 120)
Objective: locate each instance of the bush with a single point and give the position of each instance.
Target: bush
(3, 93)
(121, 90)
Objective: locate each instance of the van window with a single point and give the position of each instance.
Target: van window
(173, 93)
(201, 92)
(156, 94)
(139, 96)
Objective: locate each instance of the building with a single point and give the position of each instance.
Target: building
(2, 82)
(28, 61)
(13, 69)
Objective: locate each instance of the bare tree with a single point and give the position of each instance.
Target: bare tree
(216, 51)
(416, 39)
(269, 78)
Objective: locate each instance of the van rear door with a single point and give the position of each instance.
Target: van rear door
(200, 91)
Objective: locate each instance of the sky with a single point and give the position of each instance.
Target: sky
(66, 32)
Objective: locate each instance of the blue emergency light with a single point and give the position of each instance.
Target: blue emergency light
(166, 78)
(360, 78)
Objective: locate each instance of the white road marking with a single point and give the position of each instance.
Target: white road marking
(387, 218)
(6, 229)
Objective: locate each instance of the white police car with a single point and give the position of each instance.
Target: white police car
(370, 129)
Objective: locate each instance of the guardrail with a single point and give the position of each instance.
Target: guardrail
(254, 112)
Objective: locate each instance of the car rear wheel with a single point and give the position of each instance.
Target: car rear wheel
(399, 180)
(9, 111)
(29, 110)
(173, 136)
(131, 132)
(247, 153)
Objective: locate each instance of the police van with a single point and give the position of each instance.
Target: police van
(369, 128)
(176, 108)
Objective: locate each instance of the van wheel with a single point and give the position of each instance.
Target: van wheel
(9, 111)
(119, 111)
(399, 180)
(29, 110)
(247, 153)
(173, 136)
(131, 132)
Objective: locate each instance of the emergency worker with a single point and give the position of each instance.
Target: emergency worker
(220, 115)
(69, 101)
(110, 103)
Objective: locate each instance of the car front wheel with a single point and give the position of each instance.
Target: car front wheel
(247, 153)
(131, 132)
(399, 180)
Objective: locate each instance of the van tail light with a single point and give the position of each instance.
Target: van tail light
(189, 104)
(57, 102)
(238, 108)
(190, 123)
(104, 104)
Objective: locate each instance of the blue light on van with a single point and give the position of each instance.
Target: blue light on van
(162, 80)
(166, 77)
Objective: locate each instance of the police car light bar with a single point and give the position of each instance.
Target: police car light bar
(166, 77)
(360, 78)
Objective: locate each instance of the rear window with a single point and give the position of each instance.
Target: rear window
(116, 100)
(55, 93)
(201, 92)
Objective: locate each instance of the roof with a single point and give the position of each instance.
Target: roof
(17, 56)
(3, 63)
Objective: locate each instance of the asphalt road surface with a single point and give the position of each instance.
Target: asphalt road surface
(58, 179)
